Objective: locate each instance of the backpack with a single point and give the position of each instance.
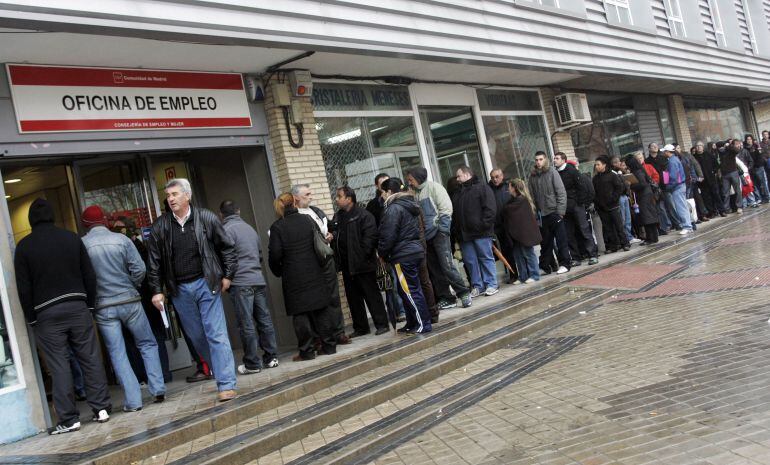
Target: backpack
(585, 189)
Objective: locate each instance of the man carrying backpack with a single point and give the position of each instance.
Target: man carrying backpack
(580, 195)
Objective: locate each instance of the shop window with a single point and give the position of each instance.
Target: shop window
(618, 12)
(356, 149)
(513, 142)
(664, 118)
(614, 132)
(8, 368)
(714, 120)
(452, 140)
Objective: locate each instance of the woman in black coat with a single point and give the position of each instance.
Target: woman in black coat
(648, 212)
(292, 257)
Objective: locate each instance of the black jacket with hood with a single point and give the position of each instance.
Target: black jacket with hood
(52, 265)
(216, 248)
(400, 239)
(356, 232)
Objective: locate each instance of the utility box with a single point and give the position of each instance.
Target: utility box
(301, 83)
(281, 97)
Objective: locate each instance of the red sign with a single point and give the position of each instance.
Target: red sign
(56, 98)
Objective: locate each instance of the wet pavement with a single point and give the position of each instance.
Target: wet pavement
(663, 361)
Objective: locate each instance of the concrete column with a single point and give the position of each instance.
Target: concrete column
(679, 121)
(562, 142)
(762, 116)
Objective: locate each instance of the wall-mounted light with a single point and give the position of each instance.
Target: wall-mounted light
(12, 181)
(7, 197)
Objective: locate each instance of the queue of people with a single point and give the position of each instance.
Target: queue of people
(403, 245)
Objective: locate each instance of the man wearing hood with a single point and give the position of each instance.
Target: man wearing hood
(474, 213)
(57, 289)
(437, 209)
(550, 198)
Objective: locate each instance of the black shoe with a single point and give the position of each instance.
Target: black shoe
(61, 428)
(405, 330)
(723, 214)
(357, 334)
(134, 409)
(381, 331)
(159, 398)
(575, 263)
(198, 376)
(433, 320)
(626, 248)
(80, 397)
(593, 260)
(400, 319)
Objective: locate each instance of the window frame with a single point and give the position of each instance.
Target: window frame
(674, 19)
(750, 26)
(716, 17)
(617, 5)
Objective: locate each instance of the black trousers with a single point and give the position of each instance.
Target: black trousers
(427, 289)
(712, 197)
(335, 306)
(579, 234)
(311, 325)
(362, 289)
(613, 229)
(554, 236)
(651, 233)
(70, 324)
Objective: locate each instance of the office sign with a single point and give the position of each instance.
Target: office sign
(64, 99)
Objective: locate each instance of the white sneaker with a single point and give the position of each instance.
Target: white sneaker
(562, 270)
(684, 232)
(61, 429)
(475, 292)
(491, 291)
(247, 371)
(272, 363)
(529, 281)
(101, 416)
(635, 240)
(740, 211)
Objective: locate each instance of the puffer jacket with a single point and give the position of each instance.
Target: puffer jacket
(216, 249)
(475, 211)
(399, 231)
(548, 192)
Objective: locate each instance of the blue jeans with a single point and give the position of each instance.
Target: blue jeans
(679, 199)
(250, 304)
(477, 255)
(673, 216)
(526, 262)
(110, 321)
(760, 187)
(203, 318)
(625, 213)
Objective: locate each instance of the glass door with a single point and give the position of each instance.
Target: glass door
(452, 140)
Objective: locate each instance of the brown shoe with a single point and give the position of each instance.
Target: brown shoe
(224, 396)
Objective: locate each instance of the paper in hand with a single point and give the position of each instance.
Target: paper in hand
(163, 315)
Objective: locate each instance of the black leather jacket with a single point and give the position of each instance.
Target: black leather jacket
(216, 249)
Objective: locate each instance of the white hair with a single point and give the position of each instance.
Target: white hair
(298, 187)
(182, 183)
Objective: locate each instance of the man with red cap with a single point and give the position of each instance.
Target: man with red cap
(119, 273)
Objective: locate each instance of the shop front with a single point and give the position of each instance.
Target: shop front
(713, 120)
(365, 129)
(115, 143)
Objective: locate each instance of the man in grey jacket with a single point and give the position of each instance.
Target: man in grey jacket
(249, 294)
(550, 198)
(119, 273)
(437, 210)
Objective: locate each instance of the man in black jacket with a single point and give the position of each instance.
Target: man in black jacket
(473, 219)
(576, 217)
(355, 240)
(192, 255)
(709, 186)
(57, 290)
(377, 204)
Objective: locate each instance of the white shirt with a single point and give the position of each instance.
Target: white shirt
(321, 222)
(184, 219)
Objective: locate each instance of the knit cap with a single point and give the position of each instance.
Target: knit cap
(93, 216)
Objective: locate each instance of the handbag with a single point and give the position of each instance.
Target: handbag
(323, 250)
(384, 280)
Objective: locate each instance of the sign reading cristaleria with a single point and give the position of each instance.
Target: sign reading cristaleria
(62, 99)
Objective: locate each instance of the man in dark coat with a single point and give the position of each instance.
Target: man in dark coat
(292, 257)
(354, 233)
(57, 291)
(709, 186)
(609, 187)
(473, 218)
(499, 187)
(377, 205)
(576, 216)
(193, 257)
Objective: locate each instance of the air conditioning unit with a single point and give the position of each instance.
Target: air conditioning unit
(572, 108)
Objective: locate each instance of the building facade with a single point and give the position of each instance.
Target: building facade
(332, 93)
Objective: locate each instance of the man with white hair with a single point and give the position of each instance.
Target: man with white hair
(193, 257)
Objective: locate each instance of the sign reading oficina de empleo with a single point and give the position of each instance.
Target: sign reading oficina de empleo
(61, 99)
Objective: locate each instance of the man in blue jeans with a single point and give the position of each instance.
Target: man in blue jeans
(119, 273)
(676, 189)
(248, 293)
(193, 257)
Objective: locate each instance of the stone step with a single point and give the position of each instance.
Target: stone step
(364, 392)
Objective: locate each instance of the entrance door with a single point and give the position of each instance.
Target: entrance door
(452, 140)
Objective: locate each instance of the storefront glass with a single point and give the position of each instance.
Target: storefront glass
(614, 132)
(714, 120)
(453, 140)
(8, 373)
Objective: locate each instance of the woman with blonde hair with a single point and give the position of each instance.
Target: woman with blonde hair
(520, 225)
